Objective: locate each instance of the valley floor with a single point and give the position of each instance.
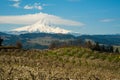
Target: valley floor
(72, 63)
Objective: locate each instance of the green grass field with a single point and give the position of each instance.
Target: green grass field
(71, 63)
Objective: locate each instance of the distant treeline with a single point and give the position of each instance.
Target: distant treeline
(17, 46)
(95, 46)
(88, 41)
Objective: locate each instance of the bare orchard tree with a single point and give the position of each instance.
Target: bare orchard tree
(19, 44)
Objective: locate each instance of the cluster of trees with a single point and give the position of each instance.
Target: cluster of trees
(102, 48)
(1, 40)
(87, 44)
(18, 44)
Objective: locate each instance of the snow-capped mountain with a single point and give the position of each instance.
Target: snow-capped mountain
(43, 25)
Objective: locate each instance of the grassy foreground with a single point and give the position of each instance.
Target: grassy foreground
(72, 63)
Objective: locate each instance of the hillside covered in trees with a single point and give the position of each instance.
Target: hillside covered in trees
(64, 57)
(68, 63)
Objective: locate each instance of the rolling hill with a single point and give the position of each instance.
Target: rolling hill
(70, 63)
(42, 40)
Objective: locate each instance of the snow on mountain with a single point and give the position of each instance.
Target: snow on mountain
(43, 25)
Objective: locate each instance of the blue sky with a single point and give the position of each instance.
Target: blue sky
(98, 16)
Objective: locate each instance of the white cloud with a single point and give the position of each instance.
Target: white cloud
(45, 4)
(33, 18)
(34, 6)
(107, 20)
(37, 6)
(16, 5)
(15, 0)
(48, 4)
(28, 7)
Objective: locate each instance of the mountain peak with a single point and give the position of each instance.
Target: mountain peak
(43, 25)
